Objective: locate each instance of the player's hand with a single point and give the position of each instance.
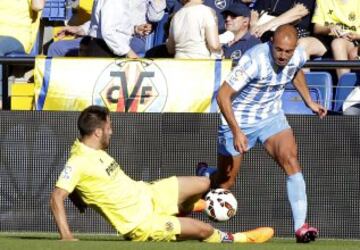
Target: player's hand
(318, 109)
(240, 142)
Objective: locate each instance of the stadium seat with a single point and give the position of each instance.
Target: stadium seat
(345, 84)
(56, 10)
(320, 87)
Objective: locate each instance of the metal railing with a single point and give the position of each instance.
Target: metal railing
(9, 62)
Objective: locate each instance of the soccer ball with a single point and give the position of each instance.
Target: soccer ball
(221, 204)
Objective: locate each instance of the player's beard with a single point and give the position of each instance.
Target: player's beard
(105, 141)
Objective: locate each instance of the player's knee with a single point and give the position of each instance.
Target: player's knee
(205, 231)
(288, 158)
(204, 183)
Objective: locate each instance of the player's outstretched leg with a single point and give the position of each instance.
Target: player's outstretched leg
(196, 229)
(258, 235)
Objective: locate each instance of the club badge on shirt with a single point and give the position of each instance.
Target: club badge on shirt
(239, 75)
(66, 173)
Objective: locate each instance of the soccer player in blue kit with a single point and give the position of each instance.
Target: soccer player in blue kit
(250, 103)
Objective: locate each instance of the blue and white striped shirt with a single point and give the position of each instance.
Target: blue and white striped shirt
(260, 83)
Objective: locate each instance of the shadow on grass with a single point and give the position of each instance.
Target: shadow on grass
(56, 238)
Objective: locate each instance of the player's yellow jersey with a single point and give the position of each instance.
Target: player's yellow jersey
(104, 186)
(335, 12)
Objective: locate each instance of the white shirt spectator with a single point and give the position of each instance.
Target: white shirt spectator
(111, 21)
(154, 11)
(188, 30)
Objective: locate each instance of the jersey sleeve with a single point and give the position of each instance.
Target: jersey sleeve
(243, 73)
(69, 177)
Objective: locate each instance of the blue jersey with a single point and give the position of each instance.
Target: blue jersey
(260, 83)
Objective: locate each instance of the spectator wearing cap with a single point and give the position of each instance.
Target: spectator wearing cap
(237, 20)
(193, 32)
(217, 5)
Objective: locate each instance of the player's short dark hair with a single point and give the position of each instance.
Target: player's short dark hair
(91, 118)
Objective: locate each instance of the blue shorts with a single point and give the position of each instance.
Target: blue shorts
(260, 131)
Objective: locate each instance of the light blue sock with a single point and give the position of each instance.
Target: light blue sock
(297, 196)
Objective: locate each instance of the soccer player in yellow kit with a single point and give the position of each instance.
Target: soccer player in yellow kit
(138, 210)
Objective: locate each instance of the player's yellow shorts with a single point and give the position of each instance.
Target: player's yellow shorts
(162, 225)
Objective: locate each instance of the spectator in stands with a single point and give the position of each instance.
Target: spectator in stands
(137, 210)
(338, 22)
(268, 15)
(217, 5)
(16, 27)
(111, 30)
(194, 32)
(237, 21)
(142, 13)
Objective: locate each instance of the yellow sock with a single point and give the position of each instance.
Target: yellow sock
(214, 238)
(240, 238)
(218, 237)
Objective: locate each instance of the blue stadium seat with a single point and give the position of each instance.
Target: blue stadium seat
(56, 10)
(320, 87)
(345, 84)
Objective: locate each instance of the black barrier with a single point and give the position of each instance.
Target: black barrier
(35, 145)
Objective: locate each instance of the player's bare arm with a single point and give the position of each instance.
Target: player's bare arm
(224, 99)
(301, 86)
(58, 197)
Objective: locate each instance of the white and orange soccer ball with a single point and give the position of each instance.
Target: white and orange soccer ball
(221, 204)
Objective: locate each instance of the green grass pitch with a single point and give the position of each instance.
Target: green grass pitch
(49, 241)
